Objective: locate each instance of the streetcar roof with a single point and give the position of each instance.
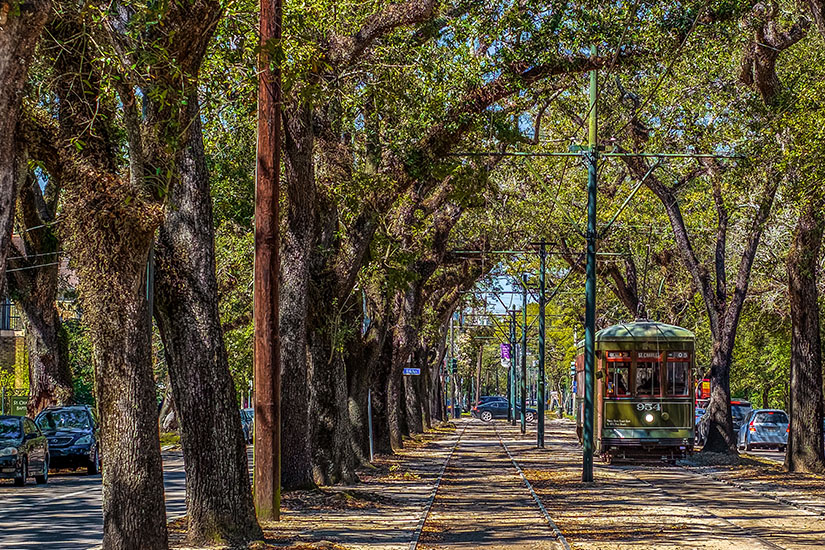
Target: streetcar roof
(643, 331)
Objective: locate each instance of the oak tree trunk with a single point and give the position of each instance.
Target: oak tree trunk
(804, 452)
(112, 273)
(35, 293)
(20, 27)
(218, 492)
(134, 514)
(50, 378)
(296, 247)
(720, 436)
(415, 422)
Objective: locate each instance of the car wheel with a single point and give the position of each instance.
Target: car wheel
(43, 479)
(93, 467)
(486, 416)
(748, 446)
(20, 480)
(530, 417)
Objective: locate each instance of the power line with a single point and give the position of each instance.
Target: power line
(32, 267)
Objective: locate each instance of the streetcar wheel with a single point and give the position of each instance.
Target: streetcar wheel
(486, 416)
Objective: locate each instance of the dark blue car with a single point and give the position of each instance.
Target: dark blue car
(24, 451)
(73, 437)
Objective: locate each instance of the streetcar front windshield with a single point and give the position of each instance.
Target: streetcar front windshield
(617, 379)
(647, 378)
(677, 377)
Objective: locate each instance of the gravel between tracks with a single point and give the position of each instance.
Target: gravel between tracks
(658, 507)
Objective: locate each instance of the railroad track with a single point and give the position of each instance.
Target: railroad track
(654, 480)
(482, 496)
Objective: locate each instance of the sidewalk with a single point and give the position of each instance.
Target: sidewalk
(381, 513)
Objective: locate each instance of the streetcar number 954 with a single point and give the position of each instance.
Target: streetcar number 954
(648, 407)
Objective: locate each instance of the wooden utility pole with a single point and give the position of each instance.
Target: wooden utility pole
(267, 473)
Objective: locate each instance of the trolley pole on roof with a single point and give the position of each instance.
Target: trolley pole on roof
(523, 381)
(542, 398)
(592, 159)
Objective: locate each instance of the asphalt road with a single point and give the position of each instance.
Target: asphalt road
(770, 454)
(66, 513)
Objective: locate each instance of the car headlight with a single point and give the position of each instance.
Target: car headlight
(8, 451)
(85, 440)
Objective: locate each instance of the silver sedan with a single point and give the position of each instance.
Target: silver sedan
(764, 428)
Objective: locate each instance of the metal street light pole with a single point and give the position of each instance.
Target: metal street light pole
(542, 398)
(513, 367)
(450, 373)
(592, 157)
(523, 382)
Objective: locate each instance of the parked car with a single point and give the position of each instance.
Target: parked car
(498, 409)
(24, 451)
(73, 436)
(700, 427)
(246, 424)
(764, 428)
(489, 399)
(739, 410)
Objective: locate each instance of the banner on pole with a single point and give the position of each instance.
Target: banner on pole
(505, 351)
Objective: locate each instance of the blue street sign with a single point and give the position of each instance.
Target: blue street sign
(414, 372)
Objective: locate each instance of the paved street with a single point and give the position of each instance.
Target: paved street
(66, 513)
(769, 454)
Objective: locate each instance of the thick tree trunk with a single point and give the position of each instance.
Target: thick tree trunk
(134, 515)
(50, 378)
(395, 409)
(415, 419)
(112, 267)
(381, 400)
(804, 452)
(218, 492)
(20, 27)
(35, 292)
(333, 460)
(420, 356)
(297, 245)
(720, 436)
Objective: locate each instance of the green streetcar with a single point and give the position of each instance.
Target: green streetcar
(643, 395)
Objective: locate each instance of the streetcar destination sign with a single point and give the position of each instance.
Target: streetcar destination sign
(412, 371)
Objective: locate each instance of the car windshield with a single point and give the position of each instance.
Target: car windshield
(739, 410)
(9, 428)
(771, 418)
(62, 420)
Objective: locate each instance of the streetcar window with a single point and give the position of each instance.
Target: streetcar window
(647, 378)
(677, 377)
(618, 375)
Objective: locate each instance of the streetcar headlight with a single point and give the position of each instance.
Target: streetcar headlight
(648, 418)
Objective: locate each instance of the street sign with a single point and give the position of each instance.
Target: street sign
(19, 405)
(412, 372)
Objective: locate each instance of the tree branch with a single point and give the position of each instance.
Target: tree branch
(344, 50)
